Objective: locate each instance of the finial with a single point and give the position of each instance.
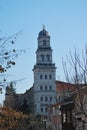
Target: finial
(43, 27)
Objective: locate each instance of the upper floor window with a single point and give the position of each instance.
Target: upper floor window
(45, 87)
(50, 87)
(50, 76)
(42, 57)
(41, 87)
(46, 99)
(46, 110)
(41, 99)
(50, 99)
(41, 76)
(48, 57)
(45, 76)
(41, 109)
(44, 42)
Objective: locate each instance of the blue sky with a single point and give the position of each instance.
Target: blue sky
(65, 20)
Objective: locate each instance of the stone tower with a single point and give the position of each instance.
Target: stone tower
(44, 75)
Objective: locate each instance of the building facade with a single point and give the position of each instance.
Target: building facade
(44, 75)
(55, 117)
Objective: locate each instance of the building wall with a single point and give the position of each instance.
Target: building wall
(54, 118)
(44, 75)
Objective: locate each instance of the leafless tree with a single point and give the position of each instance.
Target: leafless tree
(8, 54)
(75, 67)
(75, 70)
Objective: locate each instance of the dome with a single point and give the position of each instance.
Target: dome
(43, 33)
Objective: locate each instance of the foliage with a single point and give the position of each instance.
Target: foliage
(11, 119)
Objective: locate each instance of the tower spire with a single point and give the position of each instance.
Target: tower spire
(43, 27)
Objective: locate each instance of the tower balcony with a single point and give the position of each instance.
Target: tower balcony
(45, 65)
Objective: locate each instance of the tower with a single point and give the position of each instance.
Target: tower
(44, 75)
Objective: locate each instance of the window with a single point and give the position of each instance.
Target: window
(50, 87)
(46, 99)
(44, 42)
(50, 99)
(45, 76)
(42, 57)
(48, 58)
(41, 109)
(45, 87)
(46, 110)
(41, 99)
(41, 88)
(41, 76)
(50, 76)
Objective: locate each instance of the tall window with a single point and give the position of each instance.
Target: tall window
(45, 76)
(44, 42)
(41, 76)
(50, 76)
(41, 99)
(50, 87)
(41, 109)
(41, 88)
(42, 57)
(50, 99)
(46, 110)
(48, 57)
(46, 99)
(45, 87)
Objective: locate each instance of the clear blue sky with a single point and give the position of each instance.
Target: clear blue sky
(65, 20)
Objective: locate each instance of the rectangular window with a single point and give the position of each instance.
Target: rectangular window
(46, 99)
(41, 88)
(41, 99)
(50, 99)
(50, 87)
(45, 87)
(46, 110)
(50, 76)
(45, 76)
(44, 42)
(42, 110)
(41, 76)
